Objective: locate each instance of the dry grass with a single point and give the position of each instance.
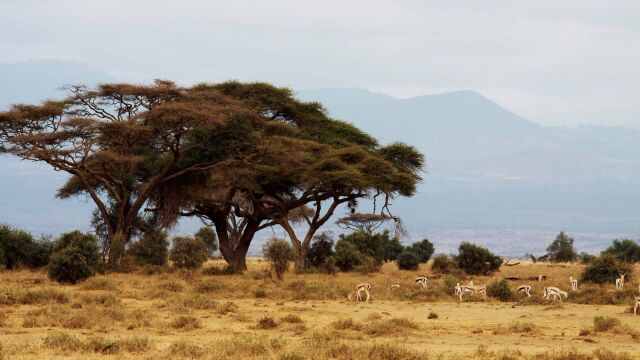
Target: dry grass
(147, 315)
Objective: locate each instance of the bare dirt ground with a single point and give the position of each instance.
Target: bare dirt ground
(195, 315)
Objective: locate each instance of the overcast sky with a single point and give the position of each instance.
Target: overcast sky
(553, 62)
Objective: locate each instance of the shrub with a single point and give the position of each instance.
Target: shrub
(408, 259)
(424, 249)
(625, 250)
(449, 284)
(604, 323)
(392, 248)
(321, 249)
(368, 244)
(266, 323)
(432, 316)
(476, 260)
(186, 323)
(606, 269)
(75, 257)
(500, 290)
(444, 264)
(209, 238)
(347, 255)
(561, 249)
(292, 319)
(151, 249)
(367, 266)
(586, 258)
(279, 253)
(260, 294)
(523, 327)
(18, 248)
(329, 266)
(219, 271)
(188, 253)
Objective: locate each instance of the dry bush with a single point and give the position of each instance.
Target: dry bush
(524, 328)
(68, 343)
(432, 315)
(394, 326)
(185, 350)
(199, 302)
(186, 323)
(260, 294)
(99, 283)
(227, 307)
(292, 319)
(207, 287)
(172, 286)
(346, 324)
(103, 299)
(266, 323)
(15, 296)
(389, 351)
(605, 323)
(602, 296)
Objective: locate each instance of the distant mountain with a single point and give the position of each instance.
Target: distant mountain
(38, 80)
(490, 169)
(492, 178)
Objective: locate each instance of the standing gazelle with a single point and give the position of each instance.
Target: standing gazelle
(525, 289)
(620, 282)
(574, 283)
(422, 281)
(635, 308)
(474, 289)
(359, 290)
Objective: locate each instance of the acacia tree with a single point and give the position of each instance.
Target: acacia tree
(122, 143)
(308, 160)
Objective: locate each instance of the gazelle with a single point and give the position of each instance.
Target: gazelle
(474, 289)
(574, 283)
(635, 308)
(620, 282)
(525, 289)
(550, 291)
(361, 288)
(422, 281)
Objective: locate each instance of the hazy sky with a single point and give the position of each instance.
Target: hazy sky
(553, 62)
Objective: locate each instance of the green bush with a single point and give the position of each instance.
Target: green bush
(408, 259)
(605, 270)
(321, 249)
(443, 264)
(209, 238)
(562, 248)
(188, 253)
(392, 248)
(367, 265)
(625, 250)
(368, 244)
(500, 290)
(75, 257)
(279, 253)
(347, 255)
(586, 258)
(476, 260)
(151, 249)
(18, 248)
(424, 249)
(329, 266)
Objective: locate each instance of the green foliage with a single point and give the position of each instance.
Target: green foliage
(75, 257)
(18, 248)
(368, 244)
(424, 249)
(476, 260)
(500, 290)
(586, 258)
(562, 248)
(209, 238)
(329, 266)
(347, 255)
(605, 270)
(409, 259)
(279, 253)
(321, 249)
(443, 264)
(151, 249)
(625, 250)
(188, 253)
(392, 248)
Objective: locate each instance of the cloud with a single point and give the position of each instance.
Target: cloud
(555, 62)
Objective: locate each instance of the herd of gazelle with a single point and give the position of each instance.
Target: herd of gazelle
(548, 292)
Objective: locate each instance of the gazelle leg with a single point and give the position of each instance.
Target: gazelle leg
(368, 295)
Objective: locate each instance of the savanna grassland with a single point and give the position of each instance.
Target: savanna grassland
(203, 315)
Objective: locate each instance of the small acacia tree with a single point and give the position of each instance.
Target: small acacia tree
(561, 249)
(279, 253)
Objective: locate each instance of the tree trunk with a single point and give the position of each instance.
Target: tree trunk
(301, 257)
(234, 254)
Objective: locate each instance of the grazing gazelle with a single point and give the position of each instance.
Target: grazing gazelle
(525, 289)
(620, 282)
(361, 288)
(574, 283)
(550, 291)
(422, 281)
(474, 289)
